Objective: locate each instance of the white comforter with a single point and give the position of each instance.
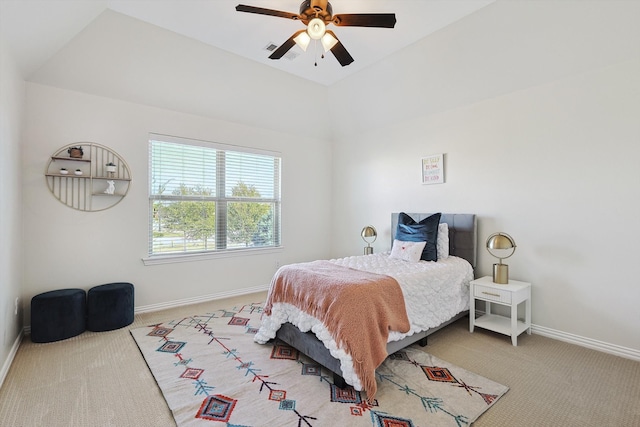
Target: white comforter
(434, 292)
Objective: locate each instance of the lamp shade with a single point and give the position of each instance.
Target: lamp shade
(369, 232)
(328, 42)
(500, 241)
(302, 40)
(316, 28)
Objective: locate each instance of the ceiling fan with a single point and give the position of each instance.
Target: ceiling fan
(316, 15)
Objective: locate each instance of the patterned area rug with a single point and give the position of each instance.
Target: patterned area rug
(212, 373)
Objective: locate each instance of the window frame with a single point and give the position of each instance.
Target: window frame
(221, 199)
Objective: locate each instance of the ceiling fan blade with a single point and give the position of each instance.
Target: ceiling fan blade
(263, 11)
(380, 20)
(284, 47)
(339, 51)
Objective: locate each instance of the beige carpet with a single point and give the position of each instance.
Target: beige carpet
(210, 370)
(101, 379)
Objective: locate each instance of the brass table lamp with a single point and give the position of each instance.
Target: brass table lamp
(369, 235)
(502, 243)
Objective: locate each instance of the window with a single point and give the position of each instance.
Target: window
(206, 197)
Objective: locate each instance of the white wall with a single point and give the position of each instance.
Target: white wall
(542, 143)
(12, 90)
(145, 79)
(69, 248)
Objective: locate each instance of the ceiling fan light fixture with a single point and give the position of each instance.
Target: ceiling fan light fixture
(316, 28)
(316, 15)
(328, 42)
(302, 40)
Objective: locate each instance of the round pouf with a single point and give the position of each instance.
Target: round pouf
(58, 315)
(109, 306)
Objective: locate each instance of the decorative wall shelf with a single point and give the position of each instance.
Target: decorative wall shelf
(79, 190)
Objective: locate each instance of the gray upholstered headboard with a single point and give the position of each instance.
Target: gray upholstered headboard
(462, 233)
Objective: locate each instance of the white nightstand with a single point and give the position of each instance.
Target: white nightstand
(510, 295)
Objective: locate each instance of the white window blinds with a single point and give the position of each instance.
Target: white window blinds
(206, 197)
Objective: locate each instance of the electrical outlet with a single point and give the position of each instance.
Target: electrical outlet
(278, 264)
(15, 311)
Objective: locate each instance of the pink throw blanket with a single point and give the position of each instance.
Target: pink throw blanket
(358, 308)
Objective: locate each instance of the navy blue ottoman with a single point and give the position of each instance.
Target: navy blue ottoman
(109, 306)
(58, 315)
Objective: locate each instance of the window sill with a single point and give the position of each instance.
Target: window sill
(204, 256)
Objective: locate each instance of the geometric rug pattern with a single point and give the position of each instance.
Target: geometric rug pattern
(212, 373)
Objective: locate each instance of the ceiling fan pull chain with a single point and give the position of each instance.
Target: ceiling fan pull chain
(315, 53)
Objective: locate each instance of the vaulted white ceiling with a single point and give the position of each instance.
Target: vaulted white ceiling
(36, 29)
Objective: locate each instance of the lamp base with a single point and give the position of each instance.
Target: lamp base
(368, 250)
(501, 274)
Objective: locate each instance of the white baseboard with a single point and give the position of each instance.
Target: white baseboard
(10, 357)
(204, 298)
(605, 347)
(627, 353)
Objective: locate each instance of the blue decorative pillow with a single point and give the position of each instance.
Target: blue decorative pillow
(424, 231)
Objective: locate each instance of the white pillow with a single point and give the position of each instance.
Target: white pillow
(442, 244)
(407, 251)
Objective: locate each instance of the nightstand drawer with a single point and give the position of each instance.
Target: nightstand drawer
(492, 294)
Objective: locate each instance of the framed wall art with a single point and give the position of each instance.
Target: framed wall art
(433, 169)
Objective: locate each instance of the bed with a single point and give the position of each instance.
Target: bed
(310, 336)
